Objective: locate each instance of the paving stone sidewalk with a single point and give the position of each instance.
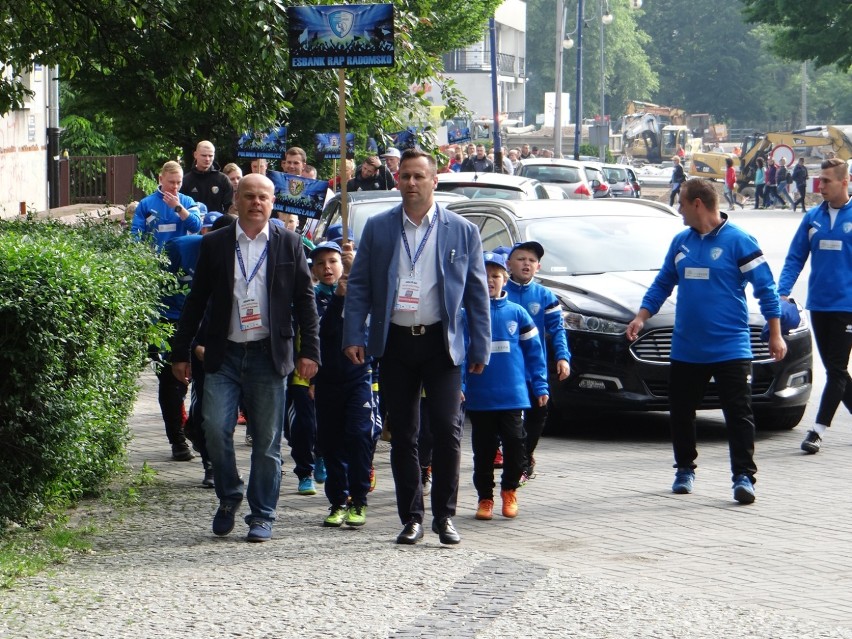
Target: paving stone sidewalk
(601, 549)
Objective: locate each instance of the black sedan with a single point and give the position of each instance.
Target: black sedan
(600, 258)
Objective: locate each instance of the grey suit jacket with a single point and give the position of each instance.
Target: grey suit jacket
(372, 286)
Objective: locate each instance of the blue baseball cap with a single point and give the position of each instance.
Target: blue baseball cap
(210, 218)
(325, 246)
(202, 208)
(503, 250)
(334, 233)
(790, 318)
(496, 259)
(535, 247)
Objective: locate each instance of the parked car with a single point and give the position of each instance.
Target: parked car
(622, 180)
(492, 185)
(597, 180)
(364, 204)
(568, 175)
(555, 193)
(600, 258)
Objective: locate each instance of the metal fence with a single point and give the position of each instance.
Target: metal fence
(97, 180)
(479, 59)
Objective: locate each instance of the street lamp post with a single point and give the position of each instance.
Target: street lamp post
(578, 127)
(606, 19)
(557, 102)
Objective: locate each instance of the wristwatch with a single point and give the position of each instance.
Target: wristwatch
(178, 209)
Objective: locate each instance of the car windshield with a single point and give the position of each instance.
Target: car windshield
(477, 191)
(618, 175)
(603, 244)
(552, 174)
(358, 215)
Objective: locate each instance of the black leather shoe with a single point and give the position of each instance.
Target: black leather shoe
(447, 533)
(411, 534)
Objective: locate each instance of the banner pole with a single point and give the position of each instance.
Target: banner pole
(341, 114)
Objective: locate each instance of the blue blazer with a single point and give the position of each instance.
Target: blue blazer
(372, 285)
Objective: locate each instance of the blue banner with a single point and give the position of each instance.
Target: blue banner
(270, 144)
(404, 139)
(298, 195)
(328, 146)
(457, 135)
(341, 36)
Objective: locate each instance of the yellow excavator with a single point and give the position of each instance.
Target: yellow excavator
(712, 165)
(651, 132)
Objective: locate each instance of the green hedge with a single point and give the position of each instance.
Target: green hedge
(75, 319)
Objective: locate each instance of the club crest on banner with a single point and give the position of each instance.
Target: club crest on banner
(296, 187)
(341, 22)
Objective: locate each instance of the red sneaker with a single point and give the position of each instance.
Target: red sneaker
(498, 459)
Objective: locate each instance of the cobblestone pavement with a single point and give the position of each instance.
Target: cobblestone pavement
(601, 548)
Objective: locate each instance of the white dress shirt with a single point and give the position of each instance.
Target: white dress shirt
(251, 252)
(425, 269)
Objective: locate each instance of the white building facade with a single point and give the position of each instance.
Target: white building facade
(471, 67)
(23, 151)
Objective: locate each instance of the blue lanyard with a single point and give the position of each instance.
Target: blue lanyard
(256, 266)
(414, 259)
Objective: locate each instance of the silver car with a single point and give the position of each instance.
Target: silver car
(568, 175)
(622, 180)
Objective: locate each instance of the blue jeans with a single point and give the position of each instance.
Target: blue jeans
(784, 194)
(248, 372)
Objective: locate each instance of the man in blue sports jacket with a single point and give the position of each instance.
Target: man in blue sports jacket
(826, 235)
(417, 265)
(710, 263)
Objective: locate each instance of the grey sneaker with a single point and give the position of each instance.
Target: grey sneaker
(684, 480)
(811, 443)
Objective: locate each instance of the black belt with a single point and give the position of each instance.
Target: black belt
(417, 329)
(260, 343)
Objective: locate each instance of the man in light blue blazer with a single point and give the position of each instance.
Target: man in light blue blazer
(417, 265)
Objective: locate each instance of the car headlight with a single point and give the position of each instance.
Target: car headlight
(592, 324)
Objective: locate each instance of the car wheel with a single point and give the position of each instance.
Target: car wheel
(778, 418)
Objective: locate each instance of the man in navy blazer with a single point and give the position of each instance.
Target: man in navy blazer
(251, 278)
(417, 265)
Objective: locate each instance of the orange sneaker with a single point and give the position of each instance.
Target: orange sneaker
(485, 510)
(241, 419)
(510, 503)
(372, 479)
(498, 459)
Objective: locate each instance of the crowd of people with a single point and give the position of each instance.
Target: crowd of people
(326, 345)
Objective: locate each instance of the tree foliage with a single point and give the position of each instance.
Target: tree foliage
(179, 70)
(820, 30)
(628, 72)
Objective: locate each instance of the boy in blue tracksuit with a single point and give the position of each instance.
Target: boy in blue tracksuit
(524, 261)
(496, 399)
(343, 396)
(825, 235)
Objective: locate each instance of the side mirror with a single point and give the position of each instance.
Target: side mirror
(595, 184)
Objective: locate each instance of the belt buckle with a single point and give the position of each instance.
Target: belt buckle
(418, 329)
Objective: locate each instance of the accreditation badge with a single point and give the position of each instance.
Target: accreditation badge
(408, 294)
(250, 314)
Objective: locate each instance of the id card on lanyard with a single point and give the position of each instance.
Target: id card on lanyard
(408, 289)
(249, 308)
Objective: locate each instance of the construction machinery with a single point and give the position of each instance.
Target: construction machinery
(776, 145)
(652, 132)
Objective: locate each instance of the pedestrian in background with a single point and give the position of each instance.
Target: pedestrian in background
(759, 184)
(731, 184)
(677, 179)
(825, 234)
(710, 263)
(783, 179)
(800, 178)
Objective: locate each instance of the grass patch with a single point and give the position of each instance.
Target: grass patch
(25, 552)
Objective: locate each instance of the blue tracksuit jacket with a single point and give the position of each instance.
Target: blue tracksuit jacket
(516, 355)
(545, 310)
(711, 273)
(153, 217)
(830, 281)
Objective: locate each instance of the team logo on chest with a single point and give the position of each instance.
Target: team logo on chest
(847, 227)
(716, 253)
(512, 327)
(534, 308)
(215, 190)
